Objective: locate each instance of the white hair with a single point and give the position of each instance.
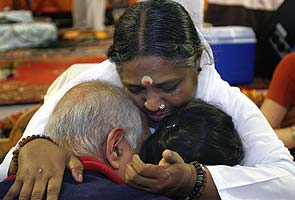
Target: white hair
(87, 113)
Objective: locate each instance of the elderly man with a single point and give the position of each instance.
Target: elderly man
(99, 123)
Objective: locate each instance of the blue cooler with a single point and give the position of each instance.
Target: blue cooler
(234, 52)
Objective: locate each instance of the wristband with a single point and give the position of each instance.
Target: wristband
(25, 141)
(200, 182)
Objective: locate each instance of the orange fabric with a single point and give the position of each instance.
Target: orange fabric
(50, 6)
(108, 5)
(282, 87)
(46, 6)
(130, 2)
(46, 72)
(206, 5)
(5, 3)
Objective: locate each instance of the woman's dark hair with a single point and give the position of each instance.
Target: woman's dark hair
(198, 132)
(156, 28)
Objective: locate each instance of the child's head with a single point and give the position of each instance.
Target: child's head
(198, 132)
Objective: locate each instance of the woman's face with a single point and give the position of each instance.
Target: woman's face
(152, 81)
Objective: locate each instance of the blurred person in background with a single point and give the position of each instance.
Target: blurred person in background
(279, 105)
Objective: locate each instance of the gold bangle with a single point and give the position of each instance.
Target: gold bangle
(293, 132)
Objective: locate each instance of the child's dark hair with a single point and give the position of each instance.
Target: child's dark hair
(198, 132)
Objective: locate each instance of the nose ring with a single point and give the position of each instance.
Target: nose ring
(162, 106)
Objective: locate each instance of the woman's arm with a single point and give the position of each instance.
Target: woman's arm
(65, 78)
(275, 113)
(171, 177)
(51, 163)
(280, 98)
(267, 161)
(287, 135)
(39, 119)
(40, 154)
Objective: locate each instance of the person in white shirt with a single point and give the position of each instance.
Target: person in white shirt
(160, 58)
(88, 15)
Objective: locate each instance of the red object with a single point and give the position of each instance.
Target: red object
(93, 165)
(39, 6)
(282, 88)
(33, 78)
(50, 6)
(46, 72)
(147, 83)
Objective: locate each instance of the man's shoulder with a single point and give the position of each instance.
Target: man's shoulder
(4, 187)
(96, 186)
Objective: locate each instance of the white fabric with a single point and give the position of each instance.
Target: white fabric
(89, 14)
(268, 171)
(196, 10)
(251, 4)
(20, 16)
(25, 35)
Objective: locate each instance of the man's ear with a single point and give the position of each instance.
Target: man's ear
(113, 147)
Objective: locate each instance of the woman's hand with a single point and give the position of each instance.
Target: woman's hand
(172, 177)
(41, 166)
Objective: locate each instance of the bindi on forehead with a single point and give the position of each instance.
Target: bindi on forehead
(146, 80)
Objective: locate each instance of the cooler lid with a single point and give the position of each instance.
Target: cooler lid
(229, 34)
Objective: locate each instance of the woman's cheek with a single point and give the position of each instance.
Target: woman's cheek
(179, 98)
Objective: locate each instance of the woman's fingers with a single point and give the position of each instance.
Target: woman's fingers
(41, 166)
(26, 190)
(21, 187)
(34, 183)
(172, 157)
(14, 190)
(44, 182)
(172, 178)
(146, 170)
(76, 167)
(139, 182)
(145, 176)
(39, 188)
(54, 187)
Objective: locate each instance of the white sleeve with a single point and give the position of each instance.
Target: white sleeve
(65, 77)
(105, 71)
(267, 171)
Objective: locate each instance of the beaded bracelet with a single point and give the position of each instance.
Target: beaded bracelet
(200, 182)
(25, 141)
